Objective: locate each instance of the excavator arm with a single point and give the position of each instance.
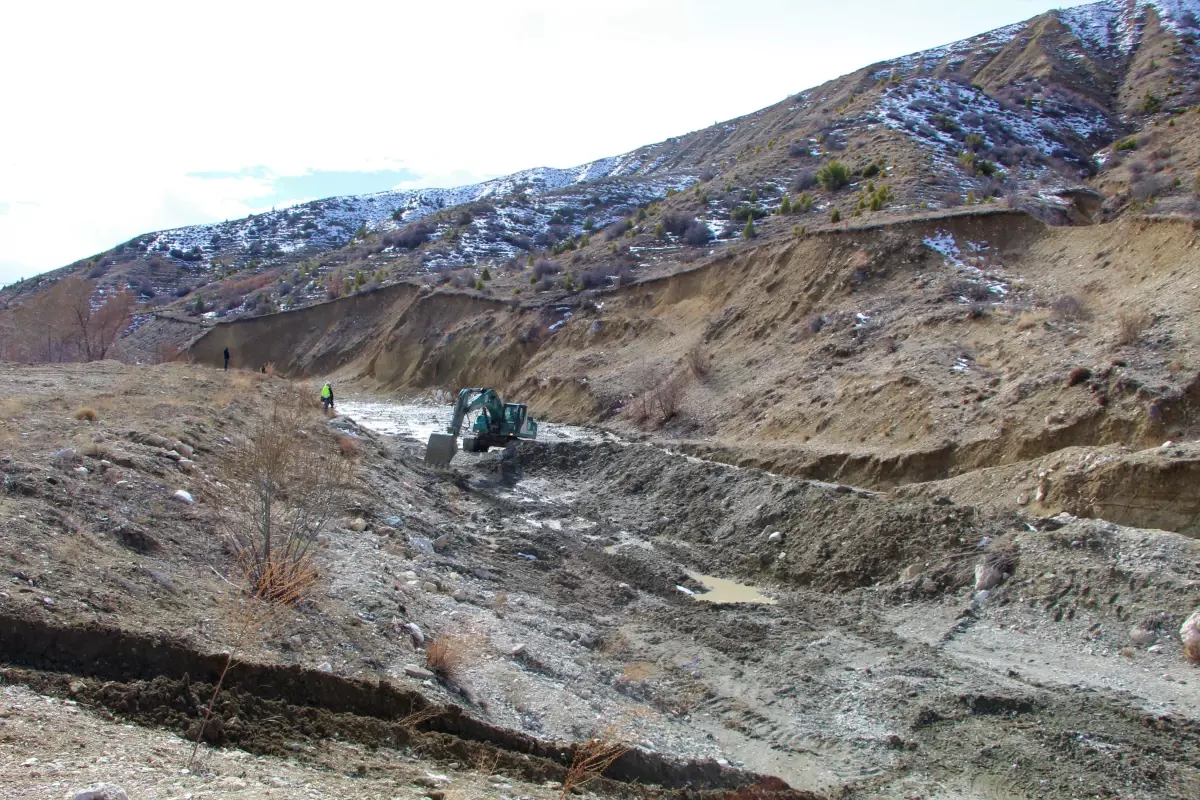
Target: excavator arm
(441, 447)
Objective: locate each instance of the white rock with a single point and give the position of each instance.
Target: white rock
(357, 524)
(414, 631)
(105, 464)
(429, 586)
(981, 596)
(1189, 634)
(325, 666)
(911, 571)
(1022, 499)
(775, 537)
(101, 791)
(1142, 637)
(987, 577)
(81, 470)
(184, 497)
(684, 590)
(420, 673)
(409, 575)
(186, 465)
(185, 450)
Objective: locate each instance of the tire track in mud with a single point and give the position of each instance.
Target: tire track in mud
(282, 710)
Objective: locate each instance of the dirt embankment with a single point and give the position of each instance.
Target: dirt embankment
(879, 356)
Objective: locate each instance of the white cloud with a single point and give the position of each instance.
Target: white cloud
(109, 106)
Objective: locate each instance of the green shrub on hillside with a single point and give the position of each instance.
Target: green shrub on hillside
(749, 231)
(835, 216)
(1151, 104)
(833, 176)
(1126, 144)
(785, 205)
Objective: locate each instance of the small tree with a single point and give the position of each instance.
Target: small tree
(835, 215)
(785, 206)
(486, 275)
(281, 491)
(749, 231)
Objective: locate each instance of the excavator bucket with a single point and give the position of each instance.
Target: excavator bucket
(440, 448)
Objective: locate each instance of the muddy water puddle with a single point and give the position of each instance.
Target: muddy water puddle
(723, 591)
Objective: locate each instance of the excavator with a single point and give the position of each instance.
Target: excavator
(498, 424)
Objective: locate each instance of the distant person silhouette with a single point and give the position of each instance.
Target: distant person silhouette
(227, 359)
(327, 396)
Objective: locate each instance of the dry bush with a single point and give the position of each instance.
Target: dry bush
(1068, 307)
(662, 402)
(698, 360)
(591, 758)
(500, 603)
(252, 617)
(87, 414)
(449, 656)
(97, 450)
(349, 446)
(1132, 324)
(281, 491)
(1028, 320)
(637, 671)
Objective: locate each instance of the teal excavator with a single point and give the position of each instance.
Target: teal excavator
(497, 424)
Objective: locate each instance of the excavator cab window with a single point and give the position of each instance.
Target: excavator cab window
(514, 415)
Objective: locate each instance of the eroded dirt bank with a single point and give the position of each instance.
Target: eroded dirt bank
(883, 356)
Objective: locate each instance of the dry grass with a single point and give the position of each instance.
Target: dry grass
(637, 671)
(349, 446)
(1028, 320)
(1132, 324)
(97, 450)
(449, 656)
(86, 414)
(500, 603)
(660, 404)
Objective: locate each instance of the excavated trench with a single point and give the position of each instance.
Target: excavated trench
(280, 710)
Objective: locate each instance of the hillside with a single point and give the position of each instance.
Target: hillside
(1025, 116)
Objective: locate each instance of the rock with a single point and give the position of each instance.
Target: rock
(105, 465)
(81, 470)
(1189, 634)
(394, 522)
(184, 497)
(171, 454)
(460, 595)
(1022, 499)
(101, 791)
(911, 571)
(185, 450)
(68, 455)
(987, 577)
(409, 575)
(482, 574)
(429, 586)
(325, 666)
(154, 440)
(441, 543)
(1142, 637)
(385, 530)
(518, 650)
(357, 524)
(76, 688)
(684, 590)
(414, 631)
(981, 596)
(775, 537)
(420, 673)
(186, 465)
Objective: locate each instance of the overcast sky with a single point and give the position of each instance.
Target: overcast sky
(121, 118)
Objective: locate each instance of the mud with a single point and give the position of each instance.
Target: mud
(274, 710)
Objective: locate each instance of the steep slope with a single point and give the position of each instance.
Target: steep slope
(1020, 115)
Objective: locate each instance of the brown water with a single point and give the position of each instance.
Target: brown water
(723, 591)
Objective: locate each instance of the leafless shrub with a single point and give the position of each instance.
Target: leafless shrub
(660, 403)
(1137, 167)
(594, 278)
(86, 414)
(697, 234)
(1152, 186)
(591, 758)
(804, 180)
(972, 291)
(349, 446)
(280, 493)
(1132, 324)
(1068, 307)
(544, 267)
(699, 360)
(951, 200)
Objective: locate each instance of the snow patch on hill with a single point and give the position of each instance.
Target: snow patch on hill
(1115, 27)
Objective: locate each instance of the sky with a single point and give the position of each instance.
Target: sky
(120, 118)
